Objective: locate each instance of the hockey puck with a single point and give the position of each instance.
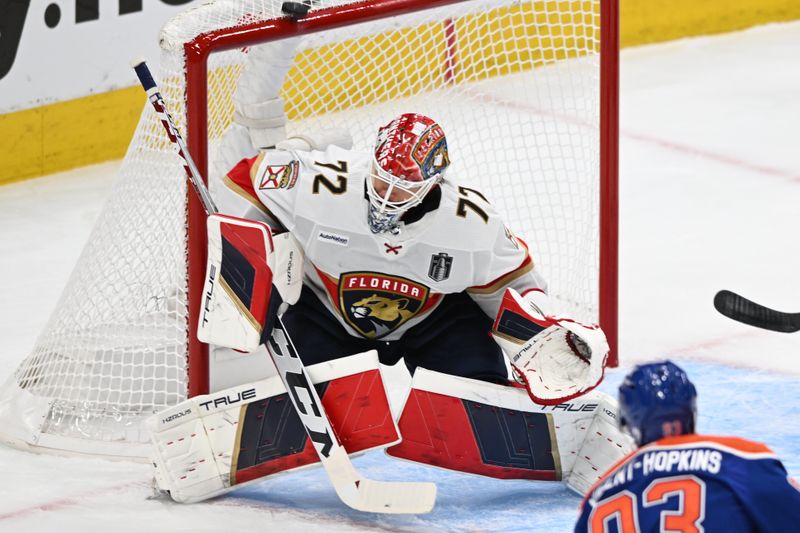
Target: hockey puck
(296, 10)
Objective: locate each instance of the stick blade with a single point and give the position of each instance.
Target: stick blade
(394, 497)
(748, 312)
(362, 494)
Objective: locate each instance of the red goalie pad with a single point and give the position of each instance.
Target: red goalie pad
(272, 438)
(444, 424)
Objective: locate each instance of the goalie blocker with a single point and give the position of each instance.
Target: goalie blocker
(245, 263)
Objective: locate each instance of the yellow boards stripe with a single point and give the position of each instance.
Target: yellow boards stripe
(653, 21)
(68, 134)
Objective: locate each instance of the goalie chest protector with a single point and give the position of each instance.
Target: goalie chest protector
(379, 285)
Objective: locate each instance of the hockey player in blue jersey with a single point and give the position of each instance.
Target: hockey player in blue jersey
(680, 481)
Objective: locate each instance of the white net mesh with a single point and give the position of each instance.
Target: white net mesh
(515, 86)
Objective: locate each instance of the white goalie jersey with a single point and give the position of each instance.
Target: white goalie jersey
(380, 285)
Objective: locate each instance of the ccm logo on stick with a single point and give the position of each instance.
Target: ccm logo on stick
(301, 393)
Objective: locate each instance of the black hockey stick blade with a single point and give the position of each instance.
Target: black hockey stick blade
(743, 310)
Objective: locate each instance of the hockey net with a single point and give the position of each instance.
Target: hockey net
(526, 92)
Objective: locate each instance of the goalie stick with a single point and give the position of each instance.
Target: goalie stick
(353, 489)
(743, 310)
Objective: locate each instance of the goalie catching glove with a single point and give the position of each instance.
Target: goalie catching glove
(556, 357)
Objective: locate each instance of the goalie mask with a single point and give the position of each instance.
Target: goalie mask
(410, 158)
(656, 401)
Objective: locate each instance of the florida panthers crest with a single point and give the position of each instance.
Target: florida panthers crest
(376, 304)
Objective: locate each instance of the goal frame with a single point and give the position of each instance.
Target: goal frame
(197, 53)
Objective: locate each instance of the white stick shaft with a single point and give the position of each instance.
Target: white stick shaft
(153, 94)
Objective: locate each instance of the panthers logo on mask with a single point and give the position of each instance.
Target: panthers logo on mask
(430, 151)
(377, 304)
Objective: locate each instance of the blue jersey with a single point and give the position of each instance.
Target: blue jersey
(694, 483)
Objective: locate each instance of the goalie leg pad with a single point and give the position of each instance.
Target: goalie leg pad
(603, 446)
(274, 440)
(209, 444)
(477, 427)
(497, 431)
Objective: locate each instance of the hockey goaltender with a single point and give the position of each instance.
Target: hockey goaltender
(340, 259)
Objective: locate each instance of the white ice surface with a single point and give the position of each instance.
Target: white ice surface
(710, 199)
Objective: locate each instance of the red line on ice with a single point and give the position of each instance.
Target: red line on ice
(77, 499)
(669, 145)
(720, 158)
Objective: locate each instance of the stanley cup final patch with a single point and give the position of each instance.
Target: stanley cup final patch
(376, 304)
(439, 269)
